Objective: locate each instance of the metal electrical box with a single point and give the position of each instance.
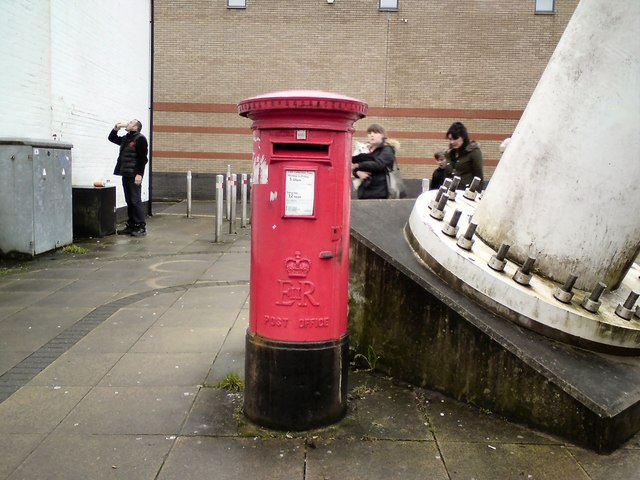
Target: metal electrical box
(35, 196)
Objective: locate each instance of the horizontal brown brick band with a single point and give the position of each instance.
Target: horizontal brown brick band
(245, 131)
(205, 130)
(466, 113)
(445, 113)
(184, 154)
(195, 107)
(246, 156)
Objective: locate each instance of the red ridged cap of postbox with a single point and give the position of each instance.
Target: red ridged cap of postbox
(303, 100)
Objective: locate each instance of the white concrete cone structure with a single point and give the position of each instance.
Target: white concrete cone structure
(562, 209)
(567, 188)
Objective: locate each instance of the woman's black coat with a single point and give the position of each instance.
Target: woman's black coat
(378, 163)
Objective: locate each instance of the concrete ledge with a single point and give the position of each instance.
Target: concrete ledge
(429, 334)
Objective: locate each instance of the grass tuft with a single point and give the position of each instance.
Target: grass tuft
(231, 382)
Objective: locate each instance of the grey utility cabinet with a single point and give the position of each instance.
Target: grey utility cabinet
(35, 196)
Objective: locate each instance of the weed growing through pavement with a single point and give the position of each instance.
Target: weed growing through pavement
(231, 382)
(367, 361)
(7, 270)
(361, 390)
(75, 249)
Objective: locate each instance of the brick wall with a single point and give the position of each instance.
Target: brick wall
(419, 69)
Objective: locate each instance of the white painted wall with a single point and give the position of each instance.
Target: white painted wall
(70, 70)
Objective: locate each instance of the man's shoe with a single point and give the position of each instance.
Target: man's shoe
(139, 232)
(127, 230)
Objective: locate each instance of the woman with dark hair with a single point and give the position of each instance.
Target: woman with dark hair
(372, 168)
(464, 155)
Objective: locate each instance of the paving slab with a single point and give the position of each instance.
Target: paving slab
(21, 299)
(623, 463)
(230, 358)
(181, 339)
(34, 326)
(200, 317)
(216, 295)
(7, 311)
(83, 457)
(130, 411)
(459, 422)
(76, 299)
(215, 413)
(388, 411)
(77, 369)
(35, 284)
(115, 335)
(15, 448)
(9, 358)
(344, 459)
(508, 460)
(158, 369)
(38, 409)
(234, 458)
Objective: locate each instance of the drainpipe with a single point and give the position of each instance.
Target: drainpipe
(150, 168)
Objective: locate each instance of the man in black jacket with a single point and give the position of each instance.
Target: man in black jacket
(130, 166)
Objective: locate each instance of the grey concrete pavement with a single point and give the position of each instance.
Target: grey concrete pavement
(109, 361)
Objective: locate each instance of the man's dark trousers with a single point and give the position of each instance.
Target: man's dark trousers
(133, 197)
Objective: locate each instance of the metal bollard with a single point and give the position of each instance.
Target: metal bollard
(227, 212)
(243, 200)
(234, 203)
(189, 194)
(219, 199)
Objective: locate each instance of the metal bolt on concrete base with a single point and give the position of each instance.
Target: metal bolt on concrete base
(471, 192)
(499, 261)
(592, 302)
(466, 241)
(523, 275)
(452, 189)
(451, 229)
(441, 191)
(626, 310)
(438, 211)
(564, 294)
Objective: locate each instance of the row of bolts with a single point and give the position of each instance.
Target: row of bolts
(498, 261)
(231, 196)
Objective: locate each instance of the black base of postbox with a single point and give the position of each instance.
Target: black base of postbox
(295, 386)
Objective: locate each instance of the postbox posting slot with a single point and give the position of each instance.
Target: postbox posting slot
(316, 151)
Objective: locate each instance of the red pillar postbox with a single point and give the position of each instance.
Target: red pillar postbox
(297, 344)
